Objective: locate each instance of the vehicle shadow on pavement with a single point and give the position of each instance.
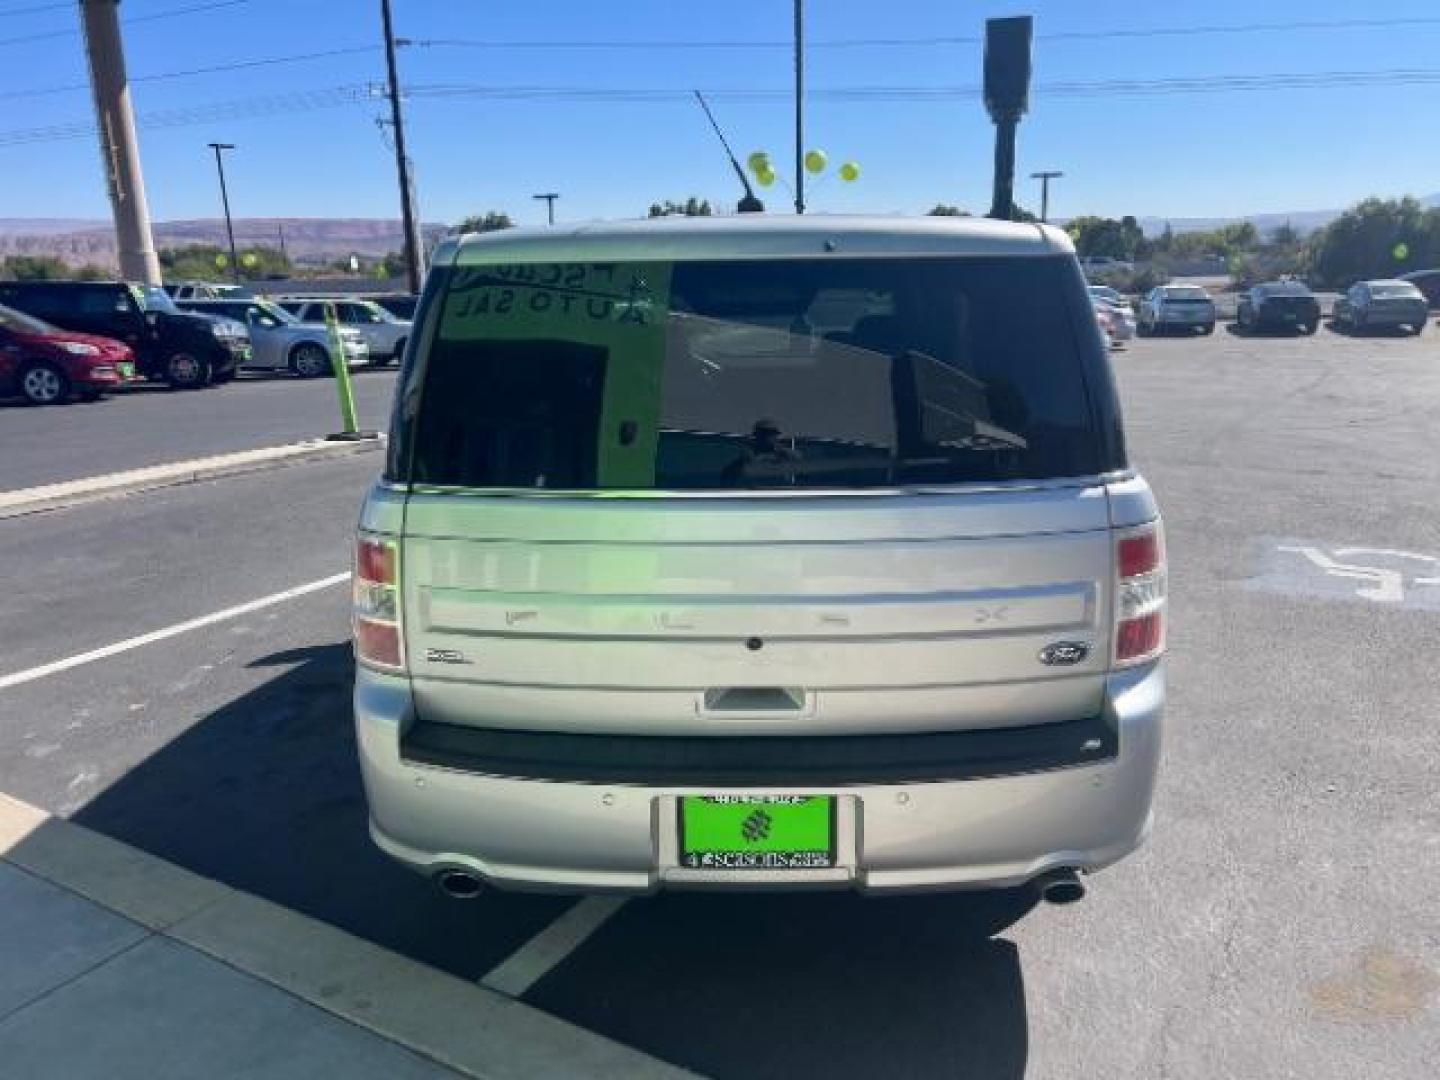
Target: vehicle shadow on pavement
(817, 984)
(264, 794)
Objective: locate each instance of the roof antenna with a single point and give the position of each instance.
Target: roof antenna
(749, 204)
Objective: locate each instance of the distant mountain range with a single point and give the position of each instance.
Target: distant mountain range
(312, 240)
(1303, 220)
(317, 240)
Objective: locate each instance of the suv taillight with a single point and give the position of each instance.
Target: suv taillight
(1139, 595)
(376, 613)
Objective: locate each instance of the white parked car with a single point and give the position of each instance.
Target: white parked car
(384, 333)
(1097, 266)
(1177, 307)
(204, 290)
(281, 342)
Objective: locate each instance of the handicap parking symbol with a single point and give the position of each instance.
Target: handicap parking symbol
(1378, 575)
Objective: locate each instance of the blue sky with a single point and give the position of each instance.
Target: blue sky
(1174, 155)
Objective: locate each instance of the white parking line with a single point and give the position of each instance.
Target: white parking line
(528, 964)
(57, 666)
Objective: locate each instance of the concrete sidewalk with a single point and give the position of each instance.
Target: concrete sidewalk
(116, 964)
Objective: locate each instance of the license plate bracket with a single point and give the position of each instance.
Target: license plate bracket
(757, 832)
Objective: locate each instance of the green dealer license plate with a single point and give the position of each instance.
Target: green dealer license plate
(757, 832)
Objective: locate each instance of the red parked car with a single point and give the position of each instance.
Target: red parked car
(47, 365)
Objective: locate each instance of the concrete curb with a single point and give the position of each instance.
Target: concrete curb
(458, 1024)
(37, 500)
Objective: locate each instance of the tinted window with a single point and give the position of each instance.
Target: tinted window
(99, 300)
(1282, 288)
(1395, 290)
(42, 301)
(1183, 293)
(775, 374)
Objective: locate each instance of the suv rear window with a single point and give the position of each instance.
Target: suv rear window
(757, 374)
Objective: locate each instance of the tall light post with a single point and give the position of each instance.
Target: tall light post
(549, 197)
(799, 106)
(1045, 178)
(220, 148)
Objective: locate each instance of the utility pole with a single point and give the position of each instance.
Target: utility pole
(549, 197)
(219, 147)
(280, 231)
(799, 106)
(402, 165)
(119, 148)
(1045, 178)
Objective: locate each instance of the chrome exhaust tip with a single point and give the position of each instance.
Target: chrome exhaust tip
(459, 884)
(1061, 887)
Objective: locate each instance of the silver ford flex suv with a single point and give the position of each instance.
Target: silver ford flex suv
(759, 552)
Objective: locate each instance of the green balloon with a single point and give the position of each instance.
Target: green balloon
(221, 261)
(249, 259)
(1401, 251)
(765, 177)
(850, 172)
(815, 161)
(759, 162)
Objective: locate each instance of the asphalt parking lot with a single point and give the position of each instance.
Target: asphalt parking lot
(1281, 922)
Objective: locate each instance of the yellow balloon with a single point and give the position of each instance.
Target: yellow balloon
(249, 259)
(1401, 252)
(759, 162)
(765, 177)
(221, 261)
(815, 161)
(850, 172)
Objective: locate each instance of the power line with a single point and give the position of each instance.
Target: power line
(909, 42)
(330, 97)
(240, 109)
(171, 14)
(37, 8)
(238, 65)
(1083, 35)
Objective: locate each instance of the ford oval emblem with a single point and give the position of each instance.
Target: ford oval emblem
(1064, 653)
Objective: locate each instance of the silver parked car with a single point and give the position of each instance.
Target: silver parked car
(1177, 307)
(1381, 305)
(384, 333)
(281, 342)
(759, 552)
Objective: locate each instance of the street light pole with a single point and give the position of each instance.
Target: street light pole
(549, 197)
(1045, 178)
(799, 106)
(219, 147)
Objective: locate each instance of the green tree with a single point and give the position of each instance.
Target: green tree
(207, 262)
(1377, 238)
(490, 221)
(1284, 237)
(91, 272)
(1098, 236)
(33, 268)
(946, 210)
(691, 207)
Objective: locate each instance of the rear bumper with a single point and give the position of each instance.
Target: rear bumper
(1394, 317)
(989, 831)
(1184, 318)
